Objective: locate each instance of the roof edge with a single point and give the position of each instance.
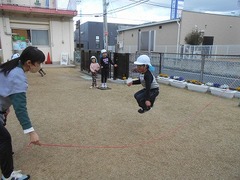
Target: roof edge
(151, 24)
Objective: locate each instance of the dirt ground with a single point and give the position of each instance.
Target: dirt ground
(186, 136)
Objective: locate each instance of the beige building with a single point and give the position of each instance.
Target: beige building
(48, 24)
(216, 29)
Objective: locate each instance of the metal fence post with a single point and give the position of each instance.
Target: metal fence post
(110, 67)
(202, 68)
(82, 60)
(160, 62)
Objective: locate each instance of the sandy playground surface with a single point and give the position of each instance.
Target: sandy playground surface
(186, 136)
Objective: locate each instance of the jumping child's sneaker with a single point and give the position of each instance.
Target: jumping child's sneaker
(17, 175)
(141, 111)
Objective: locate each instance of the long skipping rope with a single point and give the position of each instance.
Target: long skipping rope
(167, 134)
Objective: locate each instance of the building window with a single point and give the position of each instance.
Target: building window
(97, 42)
(147, 40)
(40, 37)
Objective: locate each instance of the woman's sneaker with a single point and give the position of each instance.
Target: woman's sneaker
(17, 175)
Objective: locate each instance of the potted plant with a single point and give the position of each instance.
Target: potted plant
(195, 85)
(177, 81)
(163, 78)
(222, 91)
(237, 93)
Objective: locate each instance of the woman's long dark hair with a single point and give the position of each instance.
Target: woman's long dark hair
(30, 53)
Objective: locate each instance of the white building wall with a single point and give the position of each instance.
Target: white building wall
(62, 40)
(225, 29)
(60, 30)
(6, 37)
(165, 34)
(19, 22)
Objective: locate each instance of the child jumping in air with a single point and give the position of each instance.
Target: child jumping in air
(105, 62)
(94, 68)
(145, 97)
(13, 88)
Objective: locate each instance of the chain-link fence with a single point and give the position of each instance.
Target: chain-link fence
(155, 61)
(1, 56)
(209, 49)
(120, 59)
(220, 69)
(77, 57)
(188, 49)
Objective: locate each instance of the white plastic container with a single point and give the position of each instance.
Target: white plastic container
(178, 84)
(237, 94)
(226, 93)
(198, 88)
(163, 80)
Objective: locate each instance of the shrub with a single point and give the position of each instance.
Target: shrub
(163, 75)
(179, 78)
(216, 85)
(194, 38)
(224, 86)
(195, 82)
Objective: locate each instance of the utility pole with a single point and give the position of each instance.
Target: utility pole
(79, 42)
(79, 34)
(105, 26)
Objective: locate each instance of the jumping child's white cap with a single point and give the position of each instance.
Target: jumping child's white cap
(143, 60)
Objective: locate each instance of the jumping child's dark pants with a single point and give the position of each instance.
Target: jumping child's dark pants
(141, 97)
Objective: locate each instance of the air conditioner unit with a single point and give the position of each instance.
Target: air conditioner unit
(120, 44)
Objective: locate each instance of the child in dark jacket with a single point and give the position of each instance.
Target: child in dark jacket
(145, 97)
(105, 62)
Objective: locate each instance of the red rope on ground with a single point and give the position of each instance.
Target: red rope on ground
(151, 141)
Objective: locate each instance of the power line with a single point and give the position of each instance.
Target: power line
(156, 4)
(143, 20)
(114, 17)
(127, 6)
(118, 9)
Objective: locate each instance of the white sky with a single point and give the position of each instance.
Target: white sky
(145, 12)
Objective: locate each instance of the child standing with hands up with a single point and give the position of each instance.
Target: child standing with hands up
(105, 62)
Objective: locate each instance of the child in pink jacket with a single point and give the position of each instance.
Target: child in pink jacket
(94, 68)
